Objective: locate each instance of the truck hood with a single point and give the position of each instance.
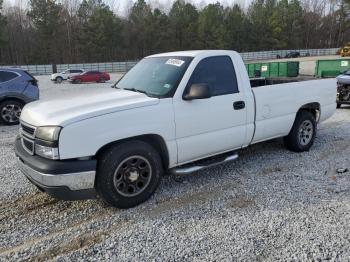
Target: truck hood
(65, 110)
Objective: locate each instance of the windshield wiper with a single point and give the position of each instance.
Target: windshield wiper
(136, 90)
(141, 91)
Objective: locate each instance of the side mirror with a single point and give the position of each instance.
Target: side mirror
(197, 91)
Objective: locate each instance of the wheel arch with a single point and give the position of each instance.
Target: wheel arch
(314, 108)
(2, 99)
(152, 139)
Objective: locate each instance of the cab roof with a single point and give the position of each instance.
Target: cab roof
(194, 53)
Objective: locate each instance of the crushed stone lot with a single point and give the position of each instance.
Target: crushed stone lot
(270, 204)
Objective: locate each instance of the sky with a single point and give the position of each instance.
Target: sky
(121, 6)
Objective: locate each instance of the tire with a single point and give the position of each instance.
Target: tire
(59, 80)
(338, 105)
(101, 80)
(303, 132)
(128, 174)
(10, 112)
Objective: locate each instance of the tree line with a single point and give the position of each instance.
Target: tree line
(51, 31)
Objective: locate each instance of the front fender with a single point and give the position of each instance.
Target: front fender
(84, 138)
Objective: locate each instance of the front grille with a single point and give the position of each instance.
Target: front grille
(27, 133)
(28, 145)
(28, 130)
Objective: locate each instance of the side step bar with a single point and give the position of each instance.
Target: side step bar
(184, 170)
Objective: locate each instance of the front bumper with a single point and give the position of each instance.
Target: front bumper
(63, 179)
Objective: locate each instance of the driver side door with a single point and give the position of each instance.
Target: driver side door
(206, 127)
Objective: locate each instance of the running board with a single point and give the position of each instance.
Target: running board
(184, 170)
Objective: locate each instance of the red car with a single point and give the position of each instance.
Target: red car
(90, 76)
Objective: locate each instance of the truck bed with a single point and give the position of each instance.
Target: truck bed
(277, 104)
(263, 81)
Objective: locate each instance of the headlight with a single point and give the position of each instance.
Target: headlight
(47, 152)
(48, 133)
(46, 144)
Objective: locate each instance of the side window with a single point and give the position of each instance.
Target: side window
(218, 72)
(7, 76)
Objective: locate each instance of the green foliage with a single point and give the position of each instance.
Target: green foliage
(55, 33)
(2, 25)
(237, 30)
(183, 25)
(46, 18)
(211, 29)
(98, 35)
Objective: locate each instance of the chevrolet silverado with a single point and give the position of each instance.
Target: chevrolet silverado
(176, 112)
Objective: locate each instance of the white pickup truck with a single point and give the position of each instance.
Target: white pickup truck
(178, 112)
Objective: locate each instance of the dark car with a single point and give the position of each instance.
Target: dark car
(90, 76)
(292, 54)
(17, 88)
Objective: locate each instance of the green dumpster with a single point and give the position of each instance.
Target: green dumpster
(331, 68)
(274, 69)
(251, 68)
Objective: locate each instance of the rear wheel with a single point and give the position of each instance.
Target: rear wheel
(338, 105)
(10, 112)
(101, 80)
(303, 132)
(128, 174)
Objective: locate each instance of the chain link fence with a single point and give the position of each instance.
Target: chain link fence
(106, 67)
(126, 66)
(264, 55)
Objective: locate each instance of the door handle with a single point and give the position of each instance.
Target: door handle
(238, 105)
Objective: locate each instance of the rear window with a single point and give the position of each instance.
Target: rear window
(7, 76)
(30, 75)
(76, 71)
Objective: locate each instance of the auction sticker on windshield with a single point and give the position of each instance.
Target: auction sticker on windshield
(175, 62)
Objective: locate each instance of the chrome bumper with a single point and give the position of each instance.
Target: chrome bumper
(74, 181)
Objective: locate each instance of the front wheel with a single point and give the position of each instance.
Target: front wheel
(10, 112)
(338, 105)
(128, 174)
(59, 80)
(303, 132)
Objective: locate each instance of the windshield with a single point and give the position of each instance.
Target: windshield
(347, 73)
(155, 76)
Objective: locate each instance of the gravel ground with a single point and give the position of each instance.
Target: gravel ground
(271, 204)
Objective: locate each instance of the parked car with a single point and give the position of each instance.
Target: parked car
(292, 54)
(60, 77)
(343, 94)
(179, 112)
(17, 88)
(90, 76)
